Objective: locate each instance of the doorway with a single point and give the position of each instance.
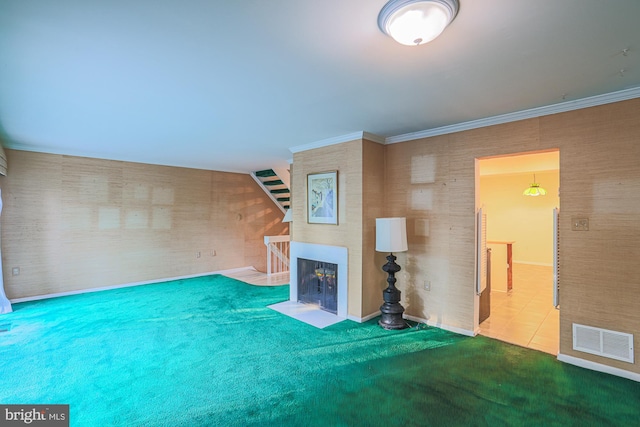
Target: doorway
(520, 239)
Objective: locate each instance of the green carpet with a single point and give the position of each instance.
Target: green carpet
(207, 352)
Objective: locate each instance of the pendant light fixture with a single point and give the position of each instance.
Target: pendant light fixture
(534, 189)
(415, 22)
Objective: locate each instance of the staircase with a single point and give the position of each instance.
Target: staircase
(275, 182)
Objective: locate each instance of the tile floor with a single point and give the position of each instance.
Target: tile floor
(525, 315)
(257, 278)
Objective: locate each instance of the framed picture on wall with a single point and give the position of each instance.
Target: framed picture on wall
(322, 198)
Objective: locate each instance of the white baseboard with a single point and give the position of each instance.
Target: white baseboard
(444, 326)
(124, 285)
(365, 318)
(598, 367)
(416, 319)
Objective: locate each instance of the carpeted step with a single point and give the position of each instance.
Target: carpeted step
(265, 173)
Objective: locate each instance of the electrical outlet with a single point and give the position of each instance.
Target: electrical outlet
(15, 271)
(427, 285)
(580, 224)
(213, 252)
(198, 254)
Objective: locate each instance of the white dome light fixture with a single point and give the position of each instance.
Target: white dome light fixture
(415, 22)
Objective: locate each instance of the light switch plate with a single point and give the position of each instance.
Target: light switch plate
(580, 224)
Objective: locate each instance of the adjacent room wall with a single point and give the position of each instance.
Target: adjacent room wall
(528, 221)
(72, 223)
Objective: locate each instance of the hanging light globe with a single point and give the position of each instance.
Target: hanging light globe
(534, 189)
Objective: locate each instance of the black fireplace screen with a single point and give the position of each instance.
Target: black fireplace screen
(318, 284)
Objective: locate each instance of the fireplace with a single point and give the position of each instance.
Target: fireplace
(318, 284)
(319, 276)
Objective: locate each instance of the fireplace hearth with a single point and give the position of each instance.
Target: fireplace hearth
(318, 293)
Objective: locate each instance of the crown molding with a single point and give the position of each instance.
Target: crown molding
(374, 138)
(562, 107)
(593, 101)
(338, 140)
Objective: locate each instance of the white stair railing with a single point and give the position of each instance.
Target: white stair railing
(277, 254)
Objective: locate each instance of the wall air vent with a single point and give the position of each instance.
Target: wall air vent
(602, 342)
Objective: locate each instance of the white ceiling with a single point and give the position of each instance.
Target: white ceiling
(232, 85)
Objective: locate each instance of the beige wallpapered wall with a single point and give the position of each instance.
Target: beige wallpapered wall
(434, 180)
(72, 223)
(346, 159)
(360, 166)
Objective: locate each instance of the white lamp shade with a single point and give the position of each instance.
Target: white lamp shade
(288, 216)
(391, 234)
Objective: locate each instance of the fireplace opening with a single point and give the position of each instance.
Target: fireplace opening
(317, 284)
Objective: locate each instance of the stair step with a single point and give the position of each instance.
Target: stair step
(265, 173)
(280, 191)
(271, 182)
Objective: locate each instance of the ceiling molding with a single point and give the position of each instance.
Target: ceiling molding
(374, 138)
(562, 107)
(577, 104)
(338, 140)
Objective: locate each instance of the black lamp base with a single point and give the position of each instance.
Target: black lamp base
(391, 309)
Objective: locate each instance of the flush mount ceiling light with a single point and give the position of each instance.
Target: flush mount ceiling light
(415, 22)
